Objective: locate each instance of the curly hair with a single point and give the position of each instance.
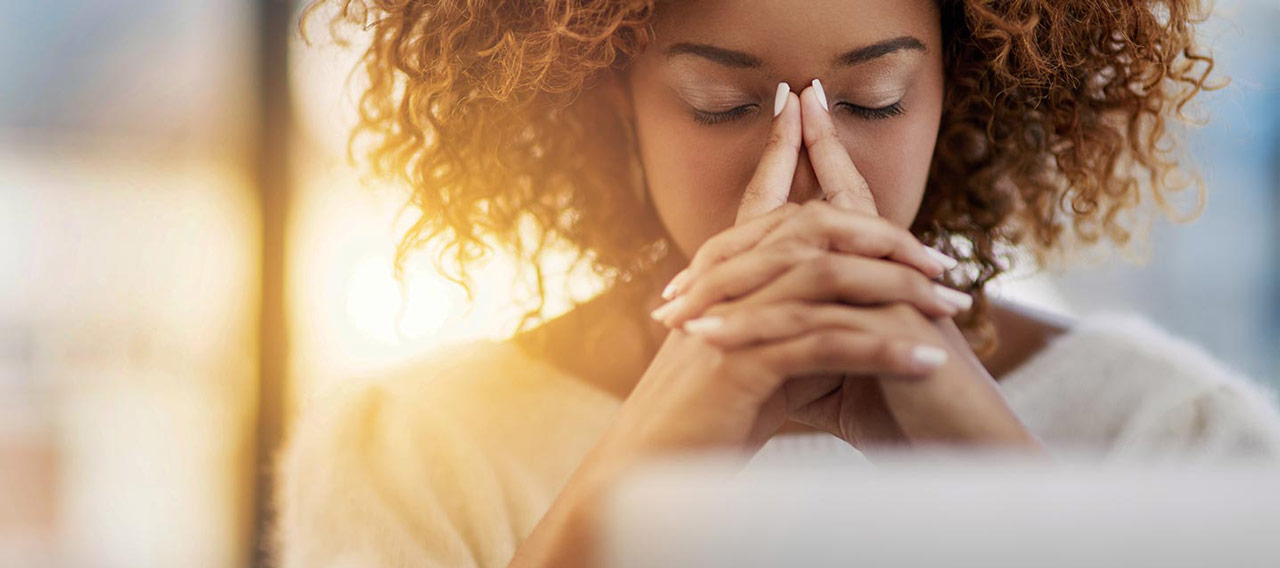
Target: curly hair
(487, 111)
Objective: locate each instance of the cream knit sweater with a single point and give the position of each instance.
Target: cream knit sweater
(454, 464)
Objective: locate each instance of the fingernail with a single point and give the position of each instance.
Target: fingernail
(666, 309)
(780, 99)
(669, 292)
(928, 357)
(955, 298)
(822, 95)
(938, 255)
(703, 324)
(674, 285)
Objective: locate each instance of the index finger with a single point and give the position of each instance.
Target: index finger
(842, 184)
(771, 183)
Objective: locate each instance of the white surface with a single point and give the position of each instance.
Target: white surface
(945, 510)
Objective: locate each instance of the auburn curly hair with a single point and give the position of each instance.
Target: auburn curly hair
(1053, 110)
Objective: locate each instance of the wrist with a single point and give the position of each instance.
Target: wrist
(564, 537)
(1019, 439)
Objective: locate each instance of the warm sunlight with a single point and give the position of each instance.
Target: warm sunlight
(228, 340)
(349, 316)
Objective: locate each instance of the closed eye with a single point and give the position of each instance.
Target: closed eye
(709, 118)
(889, 111)
(712, 118)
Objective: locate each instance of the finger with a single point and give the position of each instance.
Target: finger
(830, 278)
(842, 184)
(728, 244)
(771, 183)
(748, 273)
(861, 281)
(826, 226)
(832, 350)
(736, 277)
(738, 327)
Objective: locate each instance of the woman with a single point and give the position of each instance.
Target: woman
(758, 181)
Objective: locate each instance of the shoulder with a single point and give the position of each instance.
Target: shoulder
(435, 393)
(1119, 379)
(489, 390)
(436, 463)
(359, 481)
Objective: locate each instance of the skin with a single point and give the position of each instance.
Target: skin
(696, 174)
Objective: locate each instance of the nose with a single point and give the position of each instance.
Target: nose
(804, 184)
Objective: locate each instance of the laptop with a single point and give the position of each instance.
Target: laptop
(931, 508)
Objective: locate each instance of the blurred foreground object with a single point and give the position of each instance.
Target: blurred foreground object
(947, 508)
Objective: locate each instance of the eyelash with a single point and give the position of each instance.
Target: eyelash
(890, 111)
(711, 118)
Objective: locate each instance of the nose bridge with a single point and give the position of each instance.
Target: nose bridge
(804, 184)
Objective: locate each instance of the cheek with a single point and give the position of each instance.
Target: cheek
(894, 158)
(695, 174)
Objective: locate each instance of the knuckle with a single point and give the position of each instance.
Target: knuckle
(824, 211)
(789, 247)
(713, 251)
(790, 208)
(826, 346)
(900, 310)
(883, 352)
(701, 290)
(906, 279)
(719, 362)
(813, 208)
(924, 293)
(905, 237)
(915, 283)
(725, 310)
(772, 358)
(827, 223)
(824, 267)
(856, 240)
(918, 321)
(794, 316)
(863, 195)
(913, 319)
(701, 255)
(892, 234)
(883, 226)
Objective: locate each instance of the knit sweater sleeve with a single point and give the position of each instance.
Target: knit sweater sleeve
(1230, 419)
(1121, 384)
(450, 462)
(365, 484)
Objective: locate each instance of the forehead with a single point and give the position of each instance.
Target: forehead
(793, 35)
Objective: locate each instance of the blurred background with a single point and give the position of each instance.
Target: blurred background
(185, 257)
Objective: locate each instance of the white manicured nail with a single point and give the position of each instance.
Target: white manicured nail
(669, 292)
(703, 324)
(928, 356)
(956, 298)
(822, 95)
(780, 99)
(674, 285)
(939, 256)
(665, 310)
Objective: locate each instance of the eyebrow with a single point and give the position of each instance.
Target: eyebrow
(743, 60)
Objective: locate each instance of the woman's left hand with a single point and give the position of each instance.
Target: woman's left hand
(757, 296)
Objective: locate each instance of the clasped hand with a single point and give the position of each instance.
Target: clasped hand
(834, 273)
